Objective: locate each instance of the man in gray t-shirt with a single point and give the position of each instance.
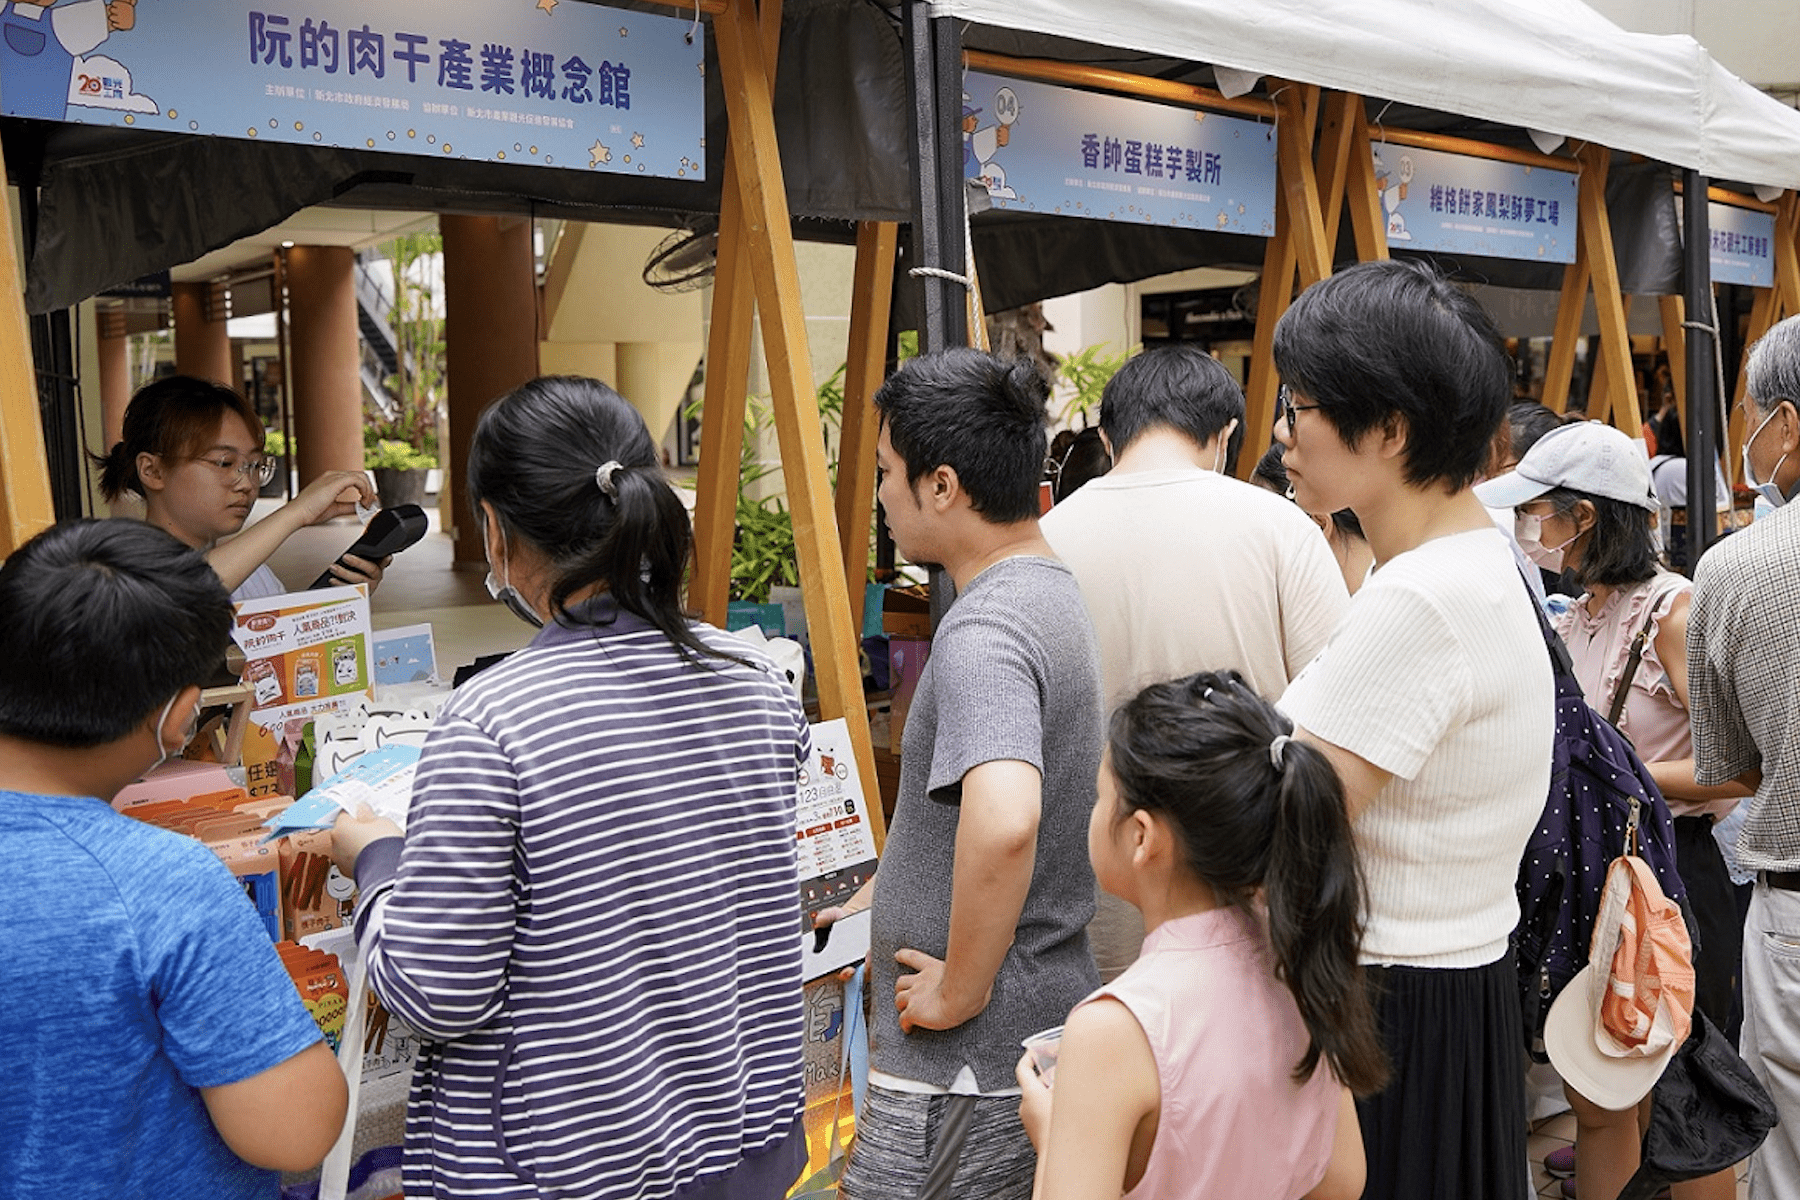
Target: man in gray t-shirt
(984, 891)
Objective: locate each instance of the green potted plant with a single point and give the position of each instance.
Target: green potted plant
(401, 446)
(399, 468)
(275, 449)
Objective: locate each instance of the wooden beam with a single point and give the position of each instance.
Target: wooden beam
(1487, 150)
(1609, 303)
(25, 505)
(871, 298)
(744, 73)
(1298, 185)
(1083, 75)
(1560, 370)
(727, 384)
(1673, 310)
(1367, 225)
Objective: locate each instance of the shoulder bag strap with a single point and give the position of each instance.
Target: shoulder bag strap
(1617, 707)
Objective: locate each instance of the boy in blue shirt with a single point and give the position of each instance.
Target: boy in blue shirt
(154, 1045)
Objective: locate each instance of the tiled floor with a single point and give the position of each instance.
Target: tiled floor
(1558, 1131)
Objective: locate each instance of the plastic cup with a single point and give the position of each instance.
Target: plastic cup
(1042, 1047)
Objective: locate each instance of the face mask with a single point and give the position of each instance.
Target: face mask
(1768, 491)
(162, 753)
(1528, 528)
(506, 594)
(1223, 441)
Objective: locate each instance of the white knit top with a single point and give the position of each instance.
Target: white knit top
(1439, 675)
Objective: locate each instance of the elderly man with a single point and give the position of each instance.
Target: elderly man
(1743, 661)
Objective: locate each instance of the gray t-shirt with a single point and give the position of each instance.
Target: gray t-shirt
(1014, 674)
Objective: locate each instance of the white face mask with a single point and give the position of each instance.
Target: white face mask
(505, 593)
(163, 754)
(1769, 491)
(1528, 528)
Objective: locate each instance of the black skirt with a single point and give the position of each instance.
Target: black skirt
(1450, 1125)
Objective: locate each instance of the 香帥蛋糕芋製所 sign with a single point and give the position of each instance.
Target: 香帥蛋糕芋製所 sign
(543, 82)
(1047, 149)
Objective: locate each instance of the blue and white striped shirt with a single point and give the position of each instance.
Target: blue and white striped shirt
(593, 921)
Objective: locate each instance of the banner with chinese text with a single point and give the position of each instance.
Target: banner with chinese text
(1047, 149)
(1743, 245)
(1458, 204)
(545, 82)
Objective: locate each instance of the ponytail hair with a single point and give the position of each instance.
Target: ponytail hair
(1258, 812)
(570, 468)
(175, 417)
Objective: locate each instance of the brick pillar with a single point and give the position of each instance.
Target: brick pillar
(491, 341)
(202, 347)
(326, 358)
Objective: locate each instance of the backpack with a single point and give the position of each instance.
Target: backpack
(1601, 801)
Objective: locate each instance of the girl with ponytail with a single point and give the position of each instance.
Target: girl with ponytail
(591, 916)
(1222, 1062)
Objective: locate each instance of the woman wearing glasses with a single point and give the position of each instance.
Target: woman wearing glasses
(1433, 701)
(193, 451)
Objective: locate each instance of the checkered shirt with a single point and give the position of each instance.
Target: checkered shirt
(1744, 679)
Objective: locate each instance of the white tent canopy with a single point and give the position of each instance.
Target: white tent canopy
(1550, 65)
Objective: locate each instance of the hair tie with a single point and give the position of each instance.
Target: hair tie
(603, 476)
(1275, 750)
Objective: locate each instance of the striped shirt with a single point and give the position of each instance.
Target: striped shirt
(592, 922)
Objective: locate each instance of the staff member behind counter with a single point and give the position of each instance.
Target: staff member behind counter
(193, 450)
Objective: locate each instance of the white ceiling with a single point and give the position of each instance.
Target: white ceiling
(358, 228)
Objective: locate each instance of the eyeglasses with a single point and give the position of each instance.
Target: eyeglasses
(235, 468)
(1285, 407)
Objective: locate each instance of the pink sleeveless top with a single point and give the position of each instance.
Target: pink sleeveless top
(1600, 643)
(1226, 1035)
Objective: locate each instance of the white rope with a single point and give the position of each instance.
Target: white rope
(940, 273)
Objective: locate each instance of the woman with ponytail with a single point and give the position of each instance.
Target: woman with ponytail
(591, 918)
(192, 450)
(1222, 1062)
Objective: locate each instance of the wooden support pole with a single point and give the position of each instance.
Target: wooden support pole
(1298, 184)
(1560, 370)
(1273, 297)
(727, 384)
(1367, 225)
(1787, 254)
(25, 505)
(722, 411)
(1673, 310)
(1609, 304)
(871, 298)
(1337, 136)
(1601, 384)
(750, 111)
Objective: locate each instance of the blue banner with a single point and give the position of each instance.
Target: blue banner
(1458, 204)
(1743, 245)
(544, 82)
(1046, 149)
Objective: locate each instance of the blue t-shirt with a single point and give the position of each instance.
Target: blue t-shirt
(133, 972)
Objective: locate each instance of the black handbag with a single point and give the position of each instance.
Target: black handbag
(1707, 1112)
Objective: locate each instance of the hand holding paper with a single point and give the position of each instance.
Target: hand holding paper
(352, 835)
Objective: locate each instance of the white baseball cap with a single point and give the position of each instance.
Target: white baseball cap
(1590, 457)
